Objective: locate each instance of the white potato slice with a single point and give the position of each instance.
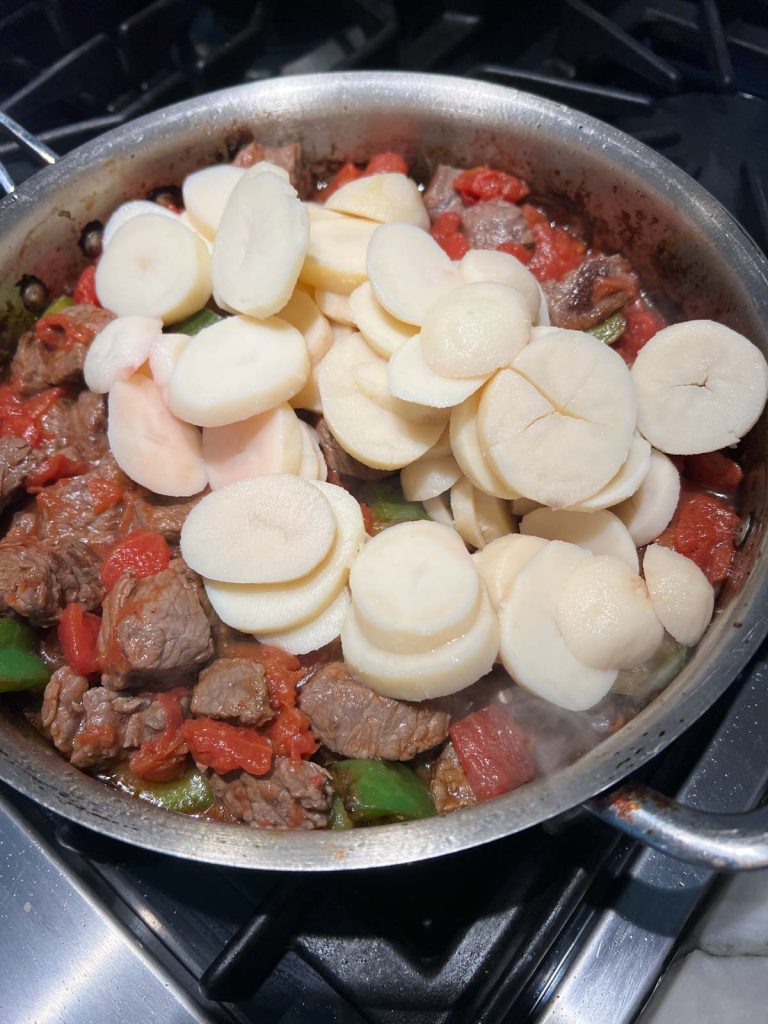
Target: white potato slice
(372, 380)
(269, 442)
(312, 465)
(154, 266)
(383, 198)
(413, 380)
(602, 533)
(336, 255)
(260, 245)
(206, 193)
(522, 506)
(149, 444)
(119, 349)
(475, 329)
(626, 482)
(439, 510)
(270, 607)
(557, 426)
(409, 271)
(335, 306)
(651, 507)
(533, 650)
(429, 476)
(237, 368)
(381, 330)
(373, 435)
(463, 512)
(490, 265)
(682, 596)
(187, 221)
(309, 396)
(126, 212)
(606, 617)
(316, 633)
(163, 356)
(500, 561)
(269, 529)
(700, 387)
(465, 442)
(442, 445)
(436, 673)
(542, 317)
(492, 516)
(303, 313)
(318, 211)
(414, 587)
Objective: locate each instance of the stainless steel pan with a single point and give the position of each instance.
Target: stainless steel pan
(672, 230)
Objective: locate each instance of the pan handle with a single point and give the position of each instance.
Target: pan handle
(724, 842)
(27, 141)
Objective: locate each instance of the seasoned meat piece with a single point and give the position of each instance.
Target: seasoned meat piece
(37, 578)
(23, 524)
(77, 427)
(341, 462)
(17, 458)
(62, 711)
(233, 688)
(163, 515)
(288, 157)
(440, 196)
(487, 225)
(448, 784)
(230, 643)
(90, 506)
(55, 354)
(354, 721)
(113, 724)
(292, 795)
(591, 292)
(154, 628)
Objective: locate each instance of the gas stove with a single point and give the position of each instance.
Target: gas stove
(564, 923)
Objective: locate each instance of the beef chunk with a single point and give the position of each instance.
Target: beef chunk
(488, 225)
(90, 506)
(354, 721)
(17, 458)
(163, 515)
(233, 688)
(448, 784)
(62, 711)
(590, 293)
(77, 427)
(288, 157)
(37, 578)
(154, 628)
(441, 196)
(341, 462)
(292, 795)
(56, 354)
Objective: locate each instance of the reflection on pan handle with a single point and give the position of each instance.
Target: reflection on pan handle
(27, 141)
(725, 842)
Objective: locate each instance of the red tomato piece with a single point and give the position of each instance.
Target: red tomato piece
(715, 470)
(533, 215)
(78, 636)
(283, 673)
(517, 250)
(493, 750)
(142, 553)
(368, 520)
(225, 748)
(703, 529)
(291, 735)
(642, 324)
(555, 253)
(85, 289)
(55, 467)
(386, 163)
(21, 416)
(348, 172)
(106, 492)
(446, 231)
(162, 758)
(481, 184)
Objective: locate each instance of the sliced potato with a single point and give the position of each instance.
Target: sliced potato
(381, 330)
(163, 356)
(500, 561)
(465, 443)
(439, 510)
(626, 482)
(371, 378)
(303, 313)
(336, 256)
(316, 633)
(383, 198)
(651, 507)
(602, 532)
(335, 306)
(119, 349)
(206, 193)
(126, 212)
(413, 380)
(237, 368)
(429, 476)
(492, 516)
(682, 596)
(478, 517)
(270, 442)
(312, 465)
(490, 265)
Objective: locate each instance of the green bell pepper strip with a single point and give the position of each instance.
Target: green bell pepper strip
(339, 819)
(380, 789)
(190, 794)
(195, 323)
(20, 666)
(387, 504)
(62, 302)
(610, 329)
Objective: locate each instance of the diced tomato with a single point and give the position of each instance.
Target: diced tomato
(533, 215)
(283, 673)
(481, 184)
(715, 470)
(348, 172)
(493, 750)
(517, 250)
(703, 529)
(55, 467)
(556, 252)
(162, 758)
(106, 492)
(78, 636)
(642, 324)
(291, 735)
(446, 231)
(22, 416)
(85, 289)
(368, 520)
(142, 553)
(386, 163)
(226, 748)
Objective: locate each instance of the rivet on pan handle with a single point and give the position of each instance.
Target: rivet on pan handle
(27, 141)
(725, 842)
